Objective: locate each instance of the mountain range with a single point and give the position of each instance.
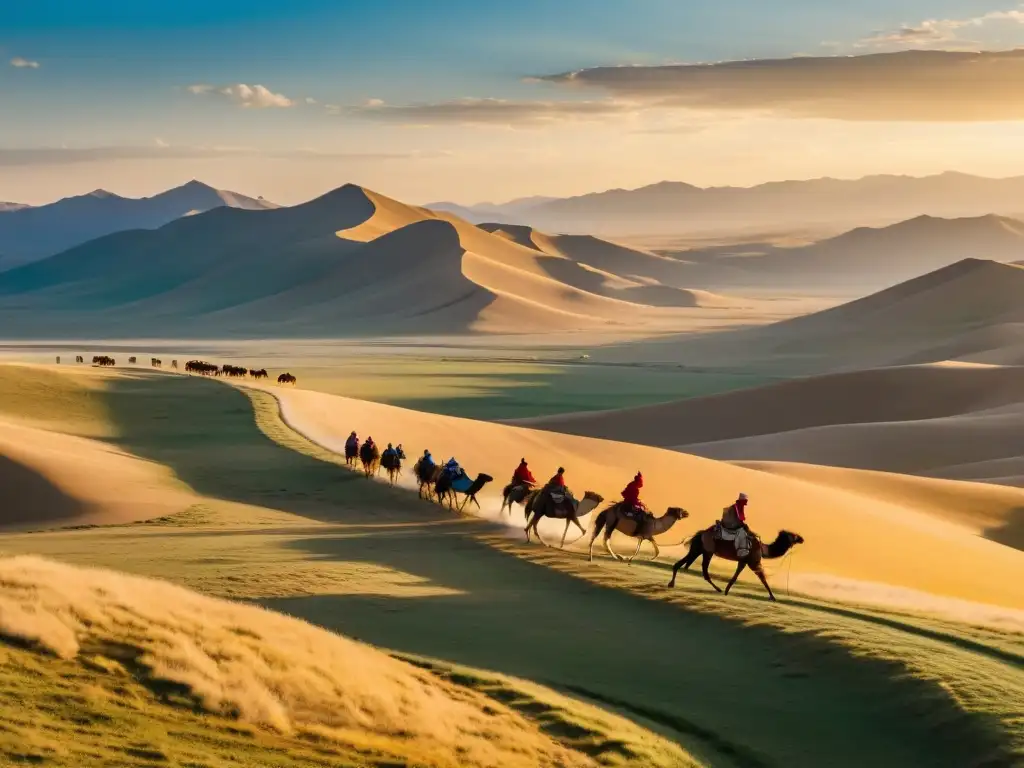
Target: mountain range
(351, 262)
(671, 207)
(28, 233)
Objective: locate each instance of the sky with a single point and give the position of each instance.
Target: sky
(489, 101)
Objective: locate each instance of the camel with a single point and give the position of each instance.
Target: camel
(614, 519)
(539, 504)
(394, 465)
(516, 494)
(79, 359)
(426, 479)
(285, 378)
(704, 544)
(351, 453)
(370, 456)
(132, 360)
(443, 490)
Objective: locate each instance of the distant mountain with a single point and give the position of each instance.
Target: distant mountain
(971, 311)
(861, 260)
(675, 207)
(5, 207)
(349, 263)
(31, 233)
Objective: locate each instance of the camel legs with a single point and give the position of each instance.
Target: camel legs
(608, 543)
(532, 524)
(685, 563)
(760, 574)
(565, 533)
(739, 569)
(657, 552)
(704, 568)
(639, 543)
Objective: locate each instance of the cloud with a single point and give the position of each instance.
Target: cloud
(938, 32)
(248, 96)
(499, 112)
(20, 63)
(161, 150)
(942, 86)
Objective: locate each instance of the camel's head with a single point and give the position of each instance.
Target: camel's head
(594, 497)
(677, 512)
(792, 538)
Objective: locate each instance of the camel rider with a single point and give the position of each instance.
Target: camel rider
(369, 443)
(556, 487)
(631, 499)
(734, 525)
(426, 465)
(353, 442)
(523, 475)
(452, 469)
(389, 457)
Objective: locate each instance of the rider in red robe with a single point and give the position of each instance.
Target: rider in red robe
(631, 493)
(523, 475)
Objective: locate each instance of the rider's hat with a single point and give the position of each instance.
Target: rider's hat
(743, 497)
(561, 470)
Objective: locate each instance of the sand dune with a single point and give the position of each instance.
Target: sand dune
(971, 311)
(861, 536)
(351, 262)
(954, 421)
(52, 479)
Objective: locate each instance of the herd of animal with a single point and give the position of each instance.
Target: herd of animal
(437, 484)
(199, 367)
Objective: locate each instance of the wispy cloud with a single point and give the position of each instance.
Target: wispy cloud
(21, 63)
(939, 32)
(494, 112)
(943, 86)
(248, 96)
(161, 150)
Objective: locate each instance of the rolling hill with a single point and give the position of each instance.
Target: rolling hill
(859, 261)
(677, 207)
(31, 233)
(971, 311)
(351, 262)
(950, 421)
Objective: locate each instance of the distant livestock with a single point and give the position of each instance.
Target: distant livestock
(58, 359)
(131, 360)
(260, 374)
(103, 360)
(156, 362)
(174, 364)
(233, 371)
(79, 359)
(202, 368)
(285, 378)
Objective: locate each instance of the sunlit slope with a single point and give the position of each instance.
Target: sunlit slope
(859, 537)
(141, 655)
(350, 262)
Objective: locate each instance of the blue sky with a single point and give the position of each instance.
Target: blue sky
(116, 73)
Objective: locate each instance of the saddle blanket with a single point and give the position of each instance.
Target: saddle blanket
(462, 483)
(725, 534)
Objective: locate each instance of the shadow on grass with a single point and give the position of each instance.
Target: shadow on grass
(792, 698)
(732, 693)
(206, 433)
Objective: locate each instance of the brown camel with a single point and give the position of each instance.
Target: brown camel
(517, 493)
(369, 455)
(539, 504)
(426, 478)
(614, 519)
(704, 544)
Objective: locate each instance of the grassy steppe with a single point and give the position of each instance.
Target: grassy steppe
(737, 682)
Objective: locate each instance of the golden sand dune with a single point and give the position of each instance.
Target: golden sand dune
(51, 479)
(946, 420)
(264, 669)
(849, 533)
(971, 311)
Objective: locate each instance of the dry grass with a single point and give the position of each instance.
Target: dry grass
(262, 668)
